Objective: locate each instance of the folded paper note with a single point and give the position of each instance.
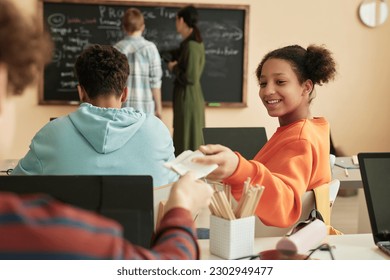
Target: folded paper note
(183, 163)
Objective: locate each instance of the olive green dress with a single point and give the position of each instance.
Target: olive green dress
(188, 100)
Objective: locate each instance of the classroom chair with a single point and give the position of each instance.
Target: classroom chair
(321, 198)
(246, 140)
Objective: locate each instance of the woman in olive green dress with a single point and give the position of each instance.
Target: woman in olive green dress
(187, 66)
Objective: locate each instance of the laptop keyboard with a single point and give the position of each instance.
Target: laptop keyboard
(385, 247)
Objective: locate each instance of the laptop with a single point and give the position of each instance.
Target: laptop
(246, 140)
(375, 172)
(128, 199)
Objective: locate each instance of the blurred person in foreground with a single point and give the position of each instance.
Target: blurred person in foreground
(37, 226)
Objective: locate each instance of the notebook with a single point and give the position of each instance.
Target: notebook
(246, 140)
(183, 163)
(375, 172)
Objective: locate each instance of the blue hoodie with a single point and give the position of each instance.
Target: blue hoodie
(101, 141)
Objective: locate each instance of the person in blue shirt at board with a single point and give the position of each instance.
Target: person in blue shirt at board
(144, 81)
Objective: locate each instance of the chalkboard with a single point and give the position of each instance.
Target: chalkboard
(77, 24)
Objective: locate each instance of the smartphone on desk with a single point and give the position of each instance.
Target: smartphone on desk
(346, 163)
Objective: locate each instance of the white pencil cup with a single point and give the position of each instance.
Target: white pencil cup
(232, 239)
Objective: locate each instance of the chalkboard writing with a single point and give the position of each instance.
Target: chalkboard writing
(77, 24)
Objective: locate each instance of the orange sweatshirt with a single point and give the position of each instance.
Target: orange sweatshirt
(293, 161)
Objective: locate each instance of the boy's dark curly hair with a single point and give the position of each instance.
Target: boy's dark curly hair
(102, 70)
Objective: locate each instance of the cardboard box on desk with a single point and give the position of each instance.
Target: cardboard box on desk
(232, 239)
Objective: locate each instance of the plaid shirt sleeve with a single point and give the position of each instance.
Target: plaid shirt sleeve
(39, 227)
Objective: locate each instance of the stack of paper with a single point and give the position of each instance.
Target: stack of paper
(183, 163)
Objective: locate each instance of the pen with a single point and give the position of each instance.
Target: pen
(346, 172)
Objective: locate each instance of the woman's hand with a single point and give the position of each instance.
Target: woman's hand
(171, 65)
(225, 158)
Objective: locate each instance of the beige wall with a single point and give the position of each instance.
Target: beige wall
(357, 104)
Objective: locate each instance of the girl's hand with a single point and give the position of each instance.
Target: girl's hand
(225, 158)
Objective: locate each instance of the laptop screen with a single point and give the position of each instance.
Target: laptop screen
(126, 199)
(375, 172)
(246, 140)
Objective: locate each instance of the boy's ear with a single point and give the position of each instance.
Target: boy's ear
(83, 96)
(124, 95)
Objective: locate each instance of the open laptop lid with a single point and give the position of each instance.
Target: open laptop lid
(375, 172)
(128, 199)
(246, 140)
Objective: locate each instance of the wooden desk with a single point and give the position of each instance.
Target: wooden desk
(346, 247)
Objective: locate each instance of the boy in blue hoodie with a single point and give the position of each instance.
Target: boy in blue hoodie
(100, 137)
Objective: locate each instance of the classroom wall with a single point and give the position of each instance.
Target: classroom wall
(356, 104)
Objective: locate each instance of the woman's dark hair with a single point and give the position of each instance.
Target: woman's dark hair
(191, 17)
(24, 47)
(315, 64)
(102, 70)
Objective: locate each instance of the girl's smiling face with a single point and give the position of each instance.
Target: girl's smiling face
(282, 93)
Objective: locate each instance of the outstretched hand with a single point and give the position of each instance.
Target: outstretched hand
(189, 193)
(225, 158)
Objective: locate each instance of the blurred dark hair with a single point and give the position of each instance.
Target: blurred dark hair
(102, 70)
(25, 47)
(191, 17)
